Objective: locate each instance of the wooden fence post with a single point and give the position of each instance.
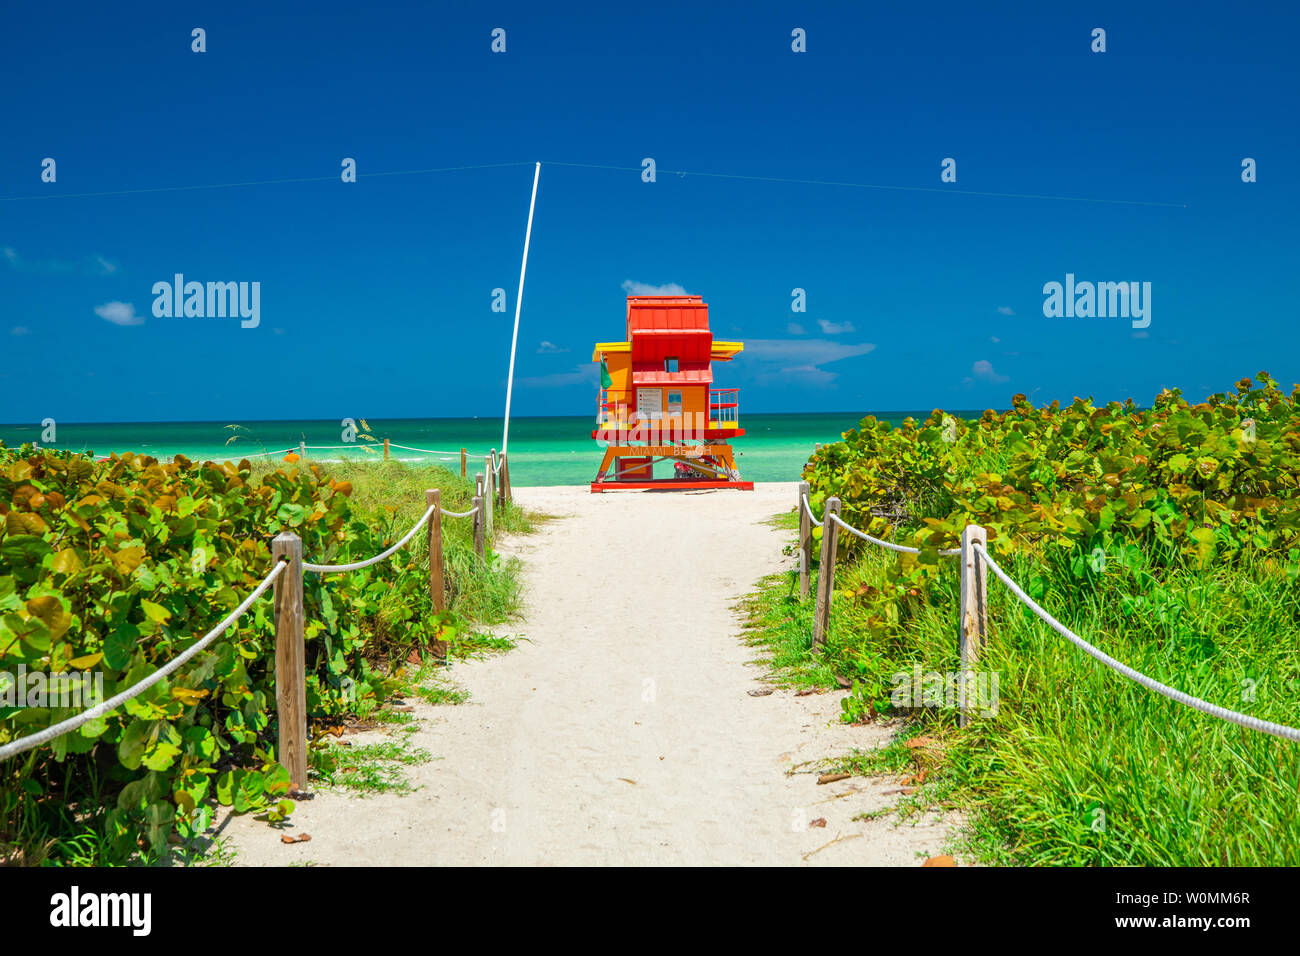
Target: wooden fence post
(302, 451)
(480, 522)
(805, 542)
(973, 628)
(462, 463)
(437, 585)
(489, 489)
(385, 449)
(290, 660)
(503, 482)
(826, 573)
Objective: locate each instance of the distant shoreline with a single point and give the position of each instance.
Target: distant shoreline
(890, 415)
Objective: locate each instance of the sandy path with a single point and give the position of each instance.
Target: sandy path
(621, 730)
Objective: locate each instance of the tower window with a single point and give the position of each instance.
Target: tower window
(670, 365)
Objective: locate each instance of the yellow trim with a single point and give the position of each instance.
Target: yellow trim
(610, 347)
(721, 350)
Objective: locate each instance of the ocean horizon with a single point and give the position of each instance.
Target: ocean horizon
(544, 450)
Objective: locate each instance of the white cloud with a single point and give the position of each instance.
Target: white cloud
(1006, 310)
(549, 348)
(119, 313)
(777, 361)
(994, 339)
(588, 374)
(982, 371)
(794, 328)
(96, 265)
(810, 374)
(802, 351)
(20, 330)
(835, 328)
(632, 287)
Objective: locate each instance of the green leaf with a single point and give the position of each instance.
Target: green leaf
(23, 554)
(120, 643)
(130, 749)
(155, 612)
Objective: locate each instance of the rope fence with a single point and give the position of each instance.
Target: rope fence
(498, 466)
(973, 620)
(286, 577)
(13, 748)
(426, 451)
(1214, 710)
(439, 454)
(902, 548)
(359, 565)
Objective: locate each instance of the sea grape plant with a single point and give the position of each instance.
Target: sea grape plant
(1185, 484)
(114, 567)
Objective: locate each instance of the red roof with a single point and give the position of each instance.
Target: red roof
(669, 326)
(666, 313)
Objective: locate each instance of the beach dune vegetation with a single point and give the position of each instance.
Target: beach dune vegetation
(116, 566)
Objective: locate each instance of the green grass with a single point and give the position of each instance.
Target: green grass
(392, 493)
(1081, 766)
(368, 769)
(439, 696)
(431, 684)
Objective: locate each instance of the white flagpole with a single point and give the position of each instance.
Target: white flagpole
(519, 301)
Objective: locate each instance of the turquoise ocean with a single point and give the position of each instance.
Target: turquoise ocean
(543, 451)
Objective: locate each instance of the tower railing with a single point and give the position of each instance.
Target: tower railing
(614, 409)
(724, 407)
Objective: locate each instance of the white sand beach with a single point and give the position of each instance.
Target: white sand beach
(621, 730)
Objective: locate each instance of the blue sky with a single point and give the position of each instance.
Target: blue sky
(376, 295)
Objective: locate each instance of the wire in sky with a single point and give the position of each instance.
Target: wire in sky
(257, 182)
(678, 172)
(923, 189)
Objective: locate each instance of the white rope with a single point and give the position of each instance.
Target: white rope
(72, 723)
(427, 451)
(886, 544)
(811, 517)
(1223, 713)
(457, 514)
(376, 448)
(259, 454)
(866, 537)
(358, 565)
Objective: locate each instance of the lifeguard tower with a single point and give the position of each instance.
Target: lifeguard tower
(658, 404)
